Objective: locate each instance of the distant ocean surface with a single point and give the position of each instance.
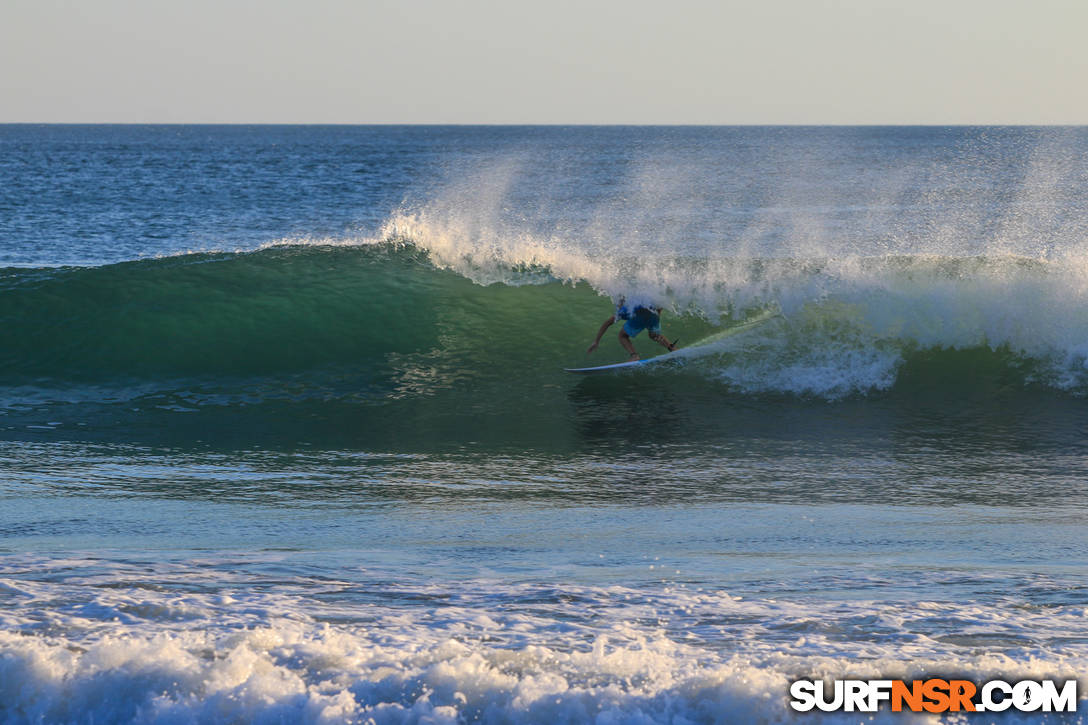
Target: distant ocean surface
(285, 435)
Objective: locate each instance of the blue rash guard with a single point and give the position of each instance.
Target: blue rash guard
(639, 318)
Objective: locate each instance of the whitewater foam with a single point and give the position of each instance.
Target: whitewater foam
(194, 642)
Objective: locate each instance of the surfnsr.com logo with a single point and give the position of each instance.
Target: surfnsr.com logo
(934, 695)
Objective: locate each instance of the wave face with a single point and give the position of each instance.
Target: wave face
(281, 310)
(409, 318)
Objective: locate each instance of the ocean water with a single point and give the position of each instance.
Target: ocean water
(285, 434)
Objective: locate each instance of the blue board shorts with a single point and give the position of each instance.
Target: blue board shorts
(642, 319)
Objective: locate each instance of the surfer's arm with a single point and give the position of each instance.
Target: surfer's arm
(600, 333)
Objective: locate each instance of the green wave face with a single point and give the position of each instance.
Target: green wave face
(378, 315)
(271, 312)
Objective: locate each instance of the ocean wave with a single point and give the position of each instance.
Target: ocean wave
(419, 310)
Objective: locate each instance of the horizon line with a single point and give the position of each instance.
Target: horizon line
(958, 124)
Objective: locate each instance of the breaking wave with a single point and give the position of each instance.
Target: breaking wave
(379, 311)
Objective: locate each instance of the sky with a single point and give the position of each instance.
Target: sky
(553, 61)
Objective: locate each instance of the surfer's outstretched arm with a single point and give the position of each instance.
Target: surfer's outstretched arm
(600, 333)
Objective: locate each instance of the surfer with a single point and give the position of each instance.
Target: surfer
(636, 318)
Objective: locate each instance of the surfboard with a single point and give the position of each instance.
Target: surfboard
(688, 351)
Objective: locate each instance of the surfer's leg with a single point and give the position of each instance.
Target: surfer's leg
(661, 340)
(629, 346)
